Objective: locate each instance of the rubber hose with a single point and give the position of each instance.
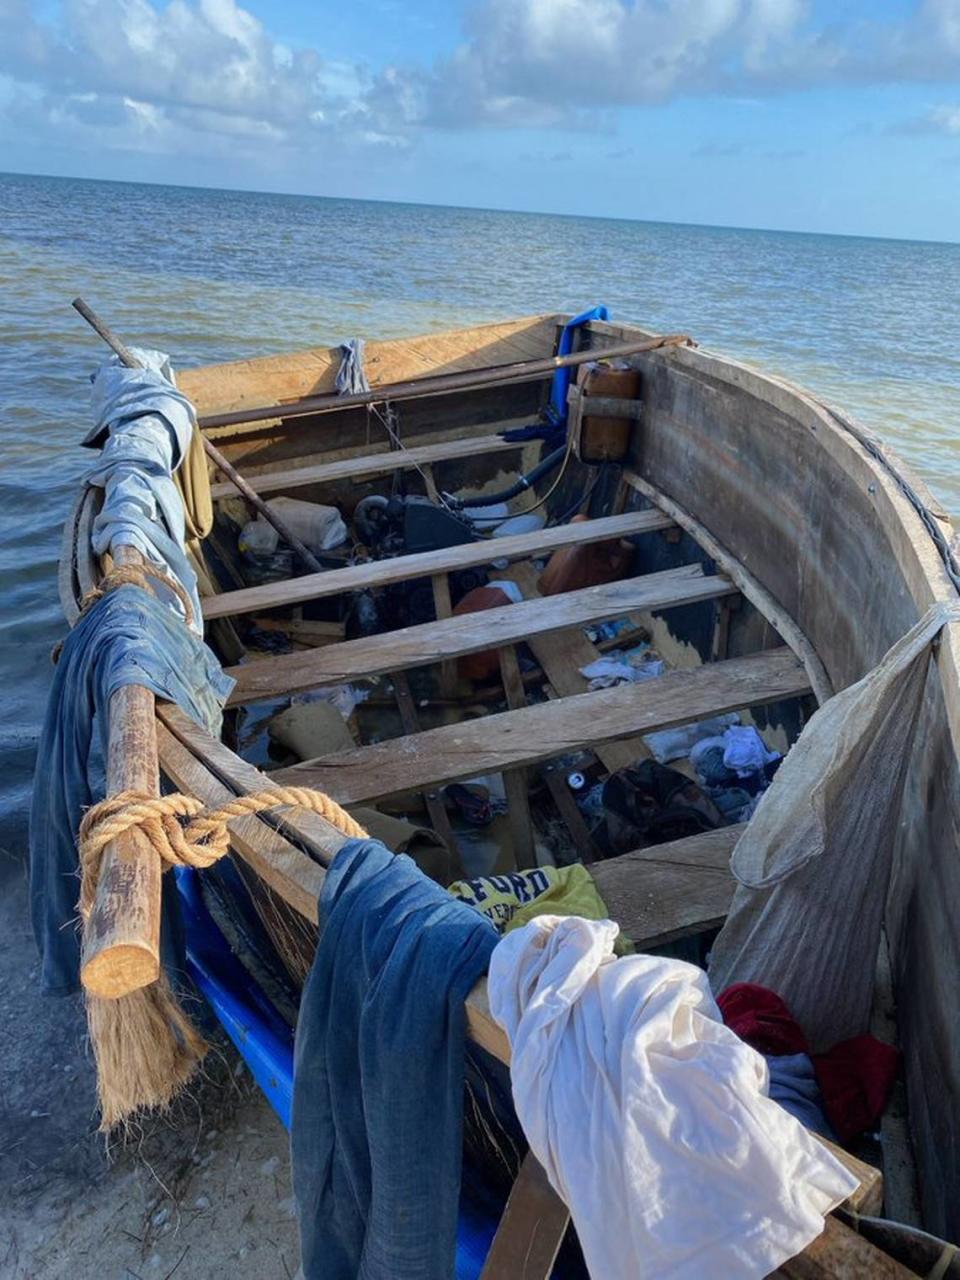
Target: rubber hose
(542, 469)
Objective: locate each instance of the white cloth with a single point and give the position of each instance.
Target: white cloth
(650, 1117)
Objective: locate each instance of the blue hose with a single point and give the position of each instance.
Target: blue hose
(561, 379)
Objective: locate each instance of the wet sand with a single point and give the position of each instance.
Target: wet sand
(203, 1193)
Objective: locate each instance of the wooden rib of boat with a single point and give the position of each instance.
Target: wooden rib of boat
(778, 551)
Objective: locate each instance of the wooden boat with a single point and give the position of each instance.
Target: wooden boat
(779, 550)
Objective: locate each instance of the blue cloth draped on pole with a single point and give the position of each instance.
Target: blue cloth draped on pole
(379, 1071)
(128, 637)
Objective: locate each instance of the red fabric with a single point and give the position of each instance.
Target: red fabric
(855, 1076)
(761, 1018)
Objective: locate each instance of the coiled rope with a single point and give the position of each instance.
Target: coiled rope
(182, 831)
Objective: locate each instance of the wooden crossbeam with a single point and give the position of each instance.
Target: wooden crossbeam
(669, 891)
(380, 573)
(550, 729)
(430, 642)
(374, 464)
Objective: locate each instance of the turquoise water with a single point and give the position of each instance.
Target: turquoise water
(873, 325)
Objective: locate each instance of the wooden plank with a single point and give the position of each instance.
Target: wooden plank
(241, 383)
(553, 728)
(285, 868)
(121, 936)
(515, 780)
(752, 588)
(284, 674)
(671, 890)
(839, 1253)
(370, 465)
(531, 1229)
(443, 608)
(572, 817)
(379, 573)
(321, 837)
(561, 658)
(433, 801)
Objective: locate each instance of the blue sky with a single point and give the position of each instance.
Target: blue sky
(794, 114)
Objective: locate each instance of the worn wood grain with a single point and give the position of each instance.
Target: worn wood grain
(378, 573)
(531, 1229)
(562, 656)
(515, 780)
(242, 383)
(553, 728)
(121, 938)
(411, 457)
(671, 890)
(430, 642)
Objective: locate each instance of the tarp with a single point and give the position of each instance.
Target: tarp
(813, 867)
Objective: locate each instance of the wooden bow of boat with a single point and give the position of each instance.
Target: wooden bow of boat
(782, 557)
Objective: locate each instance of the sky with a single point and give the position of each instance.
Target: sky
(791, 114)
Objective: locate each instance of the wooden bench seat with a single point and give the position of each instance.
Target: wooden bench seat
(380, 573)
(374, 464)
(471, 633)
(550, 729)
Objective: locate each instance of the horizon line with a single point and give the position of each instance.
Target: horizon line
(468, 208)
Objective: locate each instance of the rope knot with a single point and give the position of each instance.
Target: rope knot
(182, 831)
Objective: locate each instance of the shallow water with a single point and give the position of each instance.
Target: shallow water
(872, 325)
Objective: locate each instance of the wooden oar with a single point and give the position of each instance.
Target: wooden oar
(442, 383)
(213, 453)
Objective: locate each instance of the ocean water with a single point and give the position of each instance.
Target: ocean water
(871, 325)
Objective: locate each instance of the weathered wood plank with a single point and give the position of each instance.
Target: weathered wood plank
(562, 656)
(433, 801)
(431, 642)
(371, 465)
(242, 383)
(515, 780)
(672, 890)
(378, 573)
(278, 863)
(244, 779)
(531, 1229)
(550, 729)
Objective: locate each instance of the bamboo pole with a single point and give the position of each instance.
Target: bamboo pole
(213, 453)
(440, 384)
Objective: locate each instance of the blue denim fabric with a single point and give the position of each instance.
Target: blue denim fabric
(379, 1071)
(793, 1083)
(127, 638)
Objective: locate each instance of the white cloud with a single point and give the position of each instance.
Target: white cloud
(206, 76)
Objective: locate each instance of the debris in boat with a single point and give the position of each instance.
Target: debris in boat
(509, 901)
(735, 767)
(586, 565)
(310, 729)
(345, 697)
(854, 1078)
(649, 803)
(676, 744)
(622, 667)
(379, 1082)
(424, 845)
(319, 527)
(679, 1084)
